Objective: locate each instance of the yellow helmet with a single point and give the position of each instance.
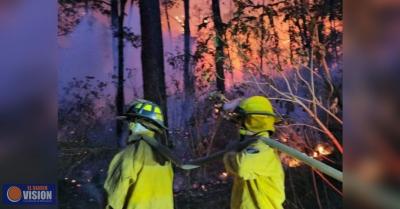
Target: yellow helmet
(147, 111)
(257, 114)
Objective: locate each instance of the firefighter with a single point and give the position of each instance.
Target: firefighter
(257, 170)
(138, 177)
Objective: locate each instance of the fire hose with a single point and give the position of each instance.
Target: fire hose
(196, 163)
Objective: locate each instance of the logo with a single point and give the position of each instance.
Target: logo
(14, 194)
(29, 194)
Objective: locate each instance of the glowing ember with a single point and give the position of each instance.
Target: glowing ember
(294, 163)
(324, 149)
(290, 161)
(223, 176)
(315, 154)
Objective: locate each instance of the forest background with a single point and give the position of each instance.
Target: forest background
(290, 51)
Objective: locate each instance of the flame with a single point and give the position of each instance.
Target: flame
(315, 154)
(294, 163)
(324, 149)
(290, 161)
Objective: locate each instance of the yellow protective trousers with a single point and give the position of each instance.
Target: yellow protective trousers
(137, 180)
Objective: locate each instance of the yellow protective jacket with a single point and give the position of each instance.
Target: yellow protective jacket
(136, 180)
(258, 177)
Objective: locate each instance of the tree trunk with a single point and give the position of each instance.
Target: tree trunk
(117, 24)
(262, 38)
(152, 54)
(219, 47)
(120, 99)
(187, 75)
(167, 18)
(114, 29)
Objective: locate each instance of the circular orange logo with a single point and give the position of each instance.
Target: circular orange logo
(14, 194)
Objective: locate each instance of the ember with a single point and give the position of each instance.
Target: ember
(294, 163)
(324, 149)
(223, 176)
